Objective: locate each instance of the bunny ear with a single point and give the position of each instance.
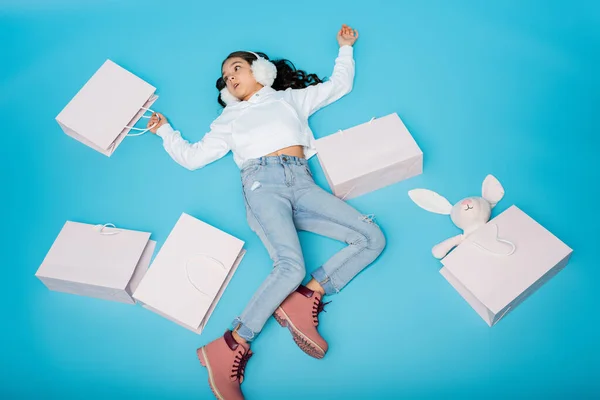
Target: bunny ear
(430, 201)
(492, 190)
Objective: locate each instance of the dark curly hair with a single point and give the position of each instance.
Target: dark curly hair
(287, 74)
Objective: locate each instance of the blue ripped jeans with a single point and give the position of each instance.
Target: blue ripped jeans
(281, 198)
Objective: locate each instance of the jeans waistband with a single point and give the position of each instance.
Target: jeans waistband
(284, 159)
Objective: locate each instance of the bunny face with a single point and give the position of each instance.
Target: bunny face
(468, 214)
(471, 212)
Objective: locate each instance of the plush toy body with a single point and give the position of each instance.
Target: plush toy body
(469, 214)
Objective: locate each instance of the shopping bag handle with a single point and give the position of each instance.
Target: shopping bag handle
(511, 244)
(102, 227)
(142, 130)
(187, 272)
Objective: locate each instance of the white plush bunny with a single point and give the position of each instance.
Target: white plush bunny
(468, 214)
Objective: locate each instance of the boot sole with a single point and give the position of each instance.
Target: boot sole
(304, 342)
(204, 361)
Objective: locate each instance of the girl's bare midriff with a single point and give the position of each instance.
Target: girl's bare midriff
(294, 151)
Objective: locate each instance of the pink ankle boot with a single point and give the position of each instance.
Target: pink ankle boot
(300, 313)
(225, 360)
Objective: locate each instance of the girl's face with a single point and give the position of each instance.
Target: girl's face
(239, 78)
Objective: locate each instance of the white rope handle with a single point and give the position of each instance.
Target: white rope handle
(514, 248)
(109, 225)
(142, 130)
(348, 192)
(187, 272)
(503, 314)
(341, 131)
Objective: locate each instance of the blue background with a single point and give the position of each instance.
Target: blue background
(510, 88)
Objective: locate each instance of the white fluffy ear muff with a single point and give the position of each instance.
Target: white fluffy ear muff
(430, 201)
(264, 70)
(227, 97)
(492, 190)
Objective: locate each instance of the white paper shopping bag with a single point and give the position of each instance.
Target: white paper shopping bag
(105, 109)
(190, 273)
(504, 262)
(97, 261)
(369, 156)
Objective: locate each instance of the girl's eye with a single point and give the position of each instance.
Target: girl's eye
(236, 67)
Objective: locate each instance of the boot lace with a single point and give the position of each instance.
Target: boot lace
(239, 365)
(318, 306)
